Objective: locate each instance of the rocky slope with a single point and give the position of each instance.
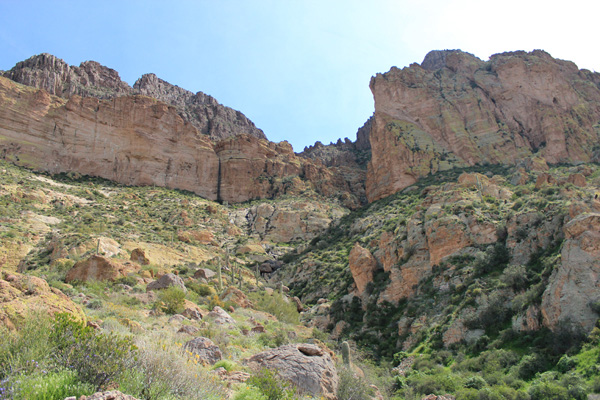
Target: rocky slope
(91, 79)
(457, 110)
(138, 140)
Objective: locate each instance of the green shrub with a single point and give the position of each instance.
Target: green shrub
(53, 385)
(201, 289)
(475, 382)
(352, 387)
(271, 386)
(278, 305)
(98, 358)
(163, 371)
(227, 364)
(548, 390)
(250, 393)
(170, 300)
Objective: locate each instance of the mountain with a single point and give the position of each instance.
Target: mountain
(457, 110)
(91, 79)
(450, 252)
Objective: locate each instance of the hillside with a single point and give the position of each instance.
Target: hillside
(450, 252)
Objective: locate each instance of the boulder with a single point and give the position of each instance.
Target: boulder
(305, 365)
(139, 256)
(208, 353)
(166, 281)
(204, 273)
(20, 294)
(220, 317)
(99, 268)
(236, 296)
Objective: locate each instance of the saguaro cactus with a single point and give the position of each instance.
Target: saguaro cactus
(346, 353)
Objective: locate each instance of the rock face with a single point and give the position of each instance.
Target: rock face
(575, 285)
(20, 294)
(137, 140)
(207, 352)
(91, 79)
(362, 265)
(307, 366)
(100, 268)
(456, 110)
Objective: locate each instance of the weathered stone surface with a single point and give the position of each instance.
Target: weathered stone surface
(208, 352)
(307, 366)
(111, 395)
(99, 268)
(362, 264)
(204, 273)
(139, 256)
(233, 294)
(575, 284)
(166, 281)
(91, 79)
(220, 317)
(137, 140)
(456, 110)
(20, 294)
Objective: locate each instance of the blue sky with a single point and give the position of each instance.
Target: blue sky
(299, 69)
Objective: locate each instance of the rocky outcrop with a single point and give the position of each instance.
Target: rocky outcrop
(165, 282)
(456, 110)
(362, 265)
(206, 351)
(138, 140)
(99, 268)
(92, 79)
(305, 365)
(21, 294)
(287, 220)
(574, 286)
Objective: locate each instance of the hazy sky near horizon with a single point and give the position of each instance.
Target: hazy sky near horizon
(299, 69)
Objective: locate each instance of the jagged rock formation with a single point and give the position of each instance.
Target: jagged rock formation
(456, 110)
(137, 140)
(346, 158)
(91, 79)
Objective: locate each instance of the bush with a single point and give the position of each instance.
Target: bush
(54, 385)
(278, 305)
(271, 386)
(170, 300)
(250, 393)
(475, 382)
(200, 289)
(227, 364)
(98, 358)
(163, 371)
(531, 365)
(352, 387)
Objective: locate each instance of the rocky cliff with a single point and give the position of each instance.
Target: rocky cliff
(138, 140)
(92, 79)
(457, 110)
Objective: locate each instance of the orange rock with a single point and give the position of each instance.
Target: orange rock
(100, 269)
(362, 265)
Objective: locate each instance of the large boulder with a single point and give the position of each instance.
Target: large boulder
(305, 365)
(207, 352)
(220, 317)
(166, 281)
(99, 268)
(20, 294)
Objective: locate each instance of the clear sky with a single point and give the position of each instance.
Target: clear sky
(299, 69)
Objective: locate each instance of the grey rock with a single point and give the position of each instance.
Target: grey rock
(165, 282)
(208, 352)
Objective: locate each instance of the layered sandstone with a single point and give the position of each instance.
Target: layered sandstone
(137, 140)
(91, 79)
(457, 110)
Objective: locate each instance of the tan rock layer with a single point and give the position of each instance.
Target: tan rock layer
(137, 140)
